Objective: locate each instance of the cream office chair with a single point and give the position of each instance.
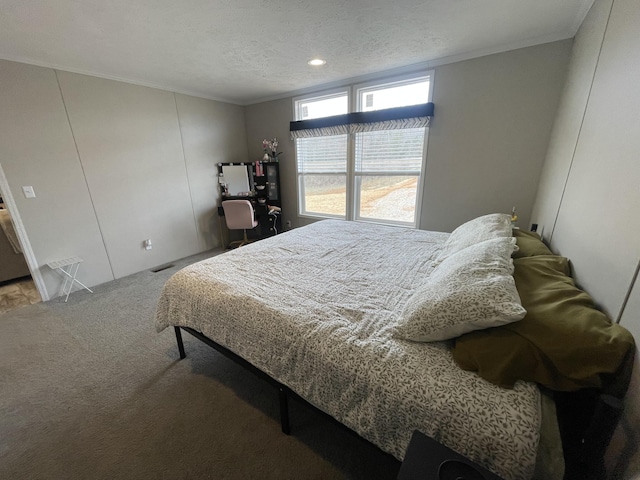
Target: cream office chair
(239, 216)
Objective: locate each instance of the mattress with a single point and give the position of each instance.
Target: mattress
(315, 308)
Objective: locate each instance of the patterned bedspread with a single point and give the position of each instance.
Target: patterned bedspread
(314, 308)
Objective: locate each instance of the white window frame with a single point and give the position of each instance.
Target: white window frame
(352, 203)
(325, 94)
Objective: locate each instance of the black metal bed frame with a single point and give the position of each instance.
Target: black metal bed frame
(283, 391)
(587, 419)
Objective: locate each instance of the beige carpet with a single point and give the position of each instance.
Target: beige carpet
(89, 390)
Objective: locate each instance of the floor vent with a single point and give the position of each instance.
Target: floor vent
(162, 267)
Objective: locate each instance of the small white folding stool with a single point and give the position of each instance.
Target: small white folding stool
(69, 269)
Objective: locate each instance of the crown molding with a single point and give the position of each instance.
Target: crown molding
(157, 86)
(581, 15)
(416, 67)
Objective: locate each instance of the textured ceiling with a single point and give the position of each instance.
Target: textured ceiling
(245, 51)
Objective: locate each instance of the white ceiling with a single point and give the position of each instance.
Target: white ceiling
(244, 51)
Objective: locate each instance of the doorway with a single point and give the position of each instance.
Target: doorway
(19, 285)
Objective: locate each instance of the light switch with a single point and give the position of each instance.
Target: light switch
(28, 192)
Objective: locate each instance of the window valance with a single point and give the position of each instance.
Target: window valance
(413, 116)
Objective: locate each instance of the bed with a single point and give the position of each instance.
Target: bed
(12, 262)
(320, 311)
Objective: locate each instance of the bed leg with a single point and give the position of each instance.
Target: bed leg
(284, 410)
(605, 419)
(588, 422)
(179, 340)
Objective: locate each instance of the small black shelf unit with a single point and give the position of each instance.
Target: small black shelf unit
(266, 185)
(264, 182)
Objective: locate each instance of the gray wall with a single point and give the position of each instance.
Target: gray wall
(493, 118)
(112, 164)
(591, 182)
(492, 123)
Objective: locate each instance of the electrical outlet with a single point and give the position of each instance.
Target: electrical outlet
(288, 225)
(147, 244)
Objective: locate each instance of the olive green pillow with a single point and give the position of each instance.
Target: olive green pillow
(563, 342)
(529, 244)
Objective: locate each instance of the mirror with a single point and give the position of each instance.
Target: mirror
(236, 177)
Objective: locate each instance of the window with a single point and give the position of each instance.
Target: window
(322, 161)
(361, 168)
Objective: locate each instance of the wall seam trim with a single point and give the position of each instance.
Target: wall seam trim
(584, 114)
(628, 294)
(186, 170)
(84, 174)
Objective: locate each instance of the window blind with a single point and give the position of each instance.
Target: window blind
(398, 151)
(322, 154)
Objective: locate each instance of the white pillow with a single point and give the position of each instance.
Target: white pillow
(470, 290)
(494, 225)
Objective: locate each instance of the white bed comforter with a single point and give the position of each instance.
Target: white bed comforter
(314, 308)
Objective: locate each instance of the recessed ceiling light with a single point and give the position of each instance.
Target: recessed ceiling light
(316, 62)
